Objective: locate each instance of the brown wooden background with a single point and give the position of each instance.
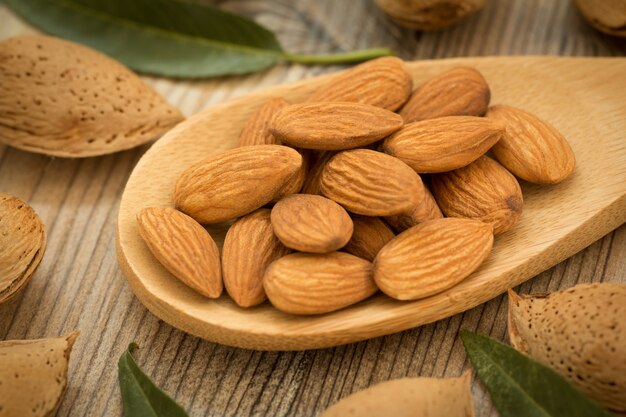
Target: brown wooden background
(79, 284)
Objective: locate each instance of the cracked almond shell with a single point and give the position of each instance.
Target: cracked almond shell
(409, 397)
(235, 182)
(22, 244)
(579, 332)
(64, 99)
(33, 375)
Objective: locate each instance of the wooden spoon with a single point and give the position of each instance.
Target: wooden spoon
(583, 97)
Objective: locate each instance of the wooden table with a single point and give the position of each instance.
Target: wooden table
(79, 284)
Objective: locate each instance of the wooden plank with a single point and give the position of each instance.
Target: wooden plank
(79, 284)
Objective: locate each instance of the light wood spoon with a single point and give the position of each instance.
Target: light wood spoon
(585, 98)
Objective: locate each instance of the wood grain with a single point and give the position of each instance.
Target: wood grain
(79, 284)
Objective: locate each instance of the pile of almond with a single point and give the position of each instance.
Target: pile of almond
(366, 186)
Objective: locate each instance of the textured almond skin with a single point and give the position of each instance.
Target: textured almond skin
(313, 180)
(296, 182)
(183, 247)
(256, 130)
(460, 91)
(383, 82)
(369, 236)
(333, 125)
(409, 397)
(306, 283)
(235, 182)
(484, 190)
(34, 375)
(426, 209)
(443, 144)
(531, 148)
(371, 183)
(311, 223)
(431, 257)
(580, 333)
(22, 244)
(64, 99)
(249, 247)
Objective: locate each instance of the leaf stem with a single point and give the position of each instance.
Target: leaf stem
(342, 58)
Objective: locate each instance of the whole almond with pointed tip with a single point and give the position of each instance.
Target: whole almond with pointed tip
(22, 244)
(249, 247)
(409, 397)
(311, 223)
(235, 182)
(371, 183)
(443, 144)
(313, 180)
(183, 247)
(431, 257)
(426, 209)
(333, 125)
(256, 130)
(64, 99)
(531, 148)
(581, 333)
(369, 236)
(296, 182)
(33, 375)
(308, 283)
(384, 82)
(460, 91)
(484, 190)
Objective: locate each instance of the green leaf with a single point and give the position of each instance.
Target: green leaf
(169, 37)
(520, 386)
(140, 396)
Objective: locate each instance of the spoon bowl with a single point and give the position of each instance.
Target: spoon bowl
(582, 97)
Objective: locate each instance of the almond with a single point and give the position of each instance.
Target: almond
(311, 223)
(256, 130)
(409, 397)
(531, 148)
(22, 244)
(426, 209)
(606, 16)
(383, 82)
(581, 333)
(249, 247)
(460, 91)
(307, 283)
(431, 257)
(483, 190)
(34, 375)
(64, 99)
(295, 183)
(183, 247)
(333, 126)
(313, 180)
(429, 14)
(235, 182)
(443, 144)
(369, 236)
(371, 183)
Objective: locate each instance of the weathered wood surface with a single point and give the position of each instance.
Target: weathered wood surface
(79, 283)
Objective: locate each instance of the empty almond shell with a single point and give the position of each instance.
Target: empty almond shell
(63, 99)
(22, 244)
